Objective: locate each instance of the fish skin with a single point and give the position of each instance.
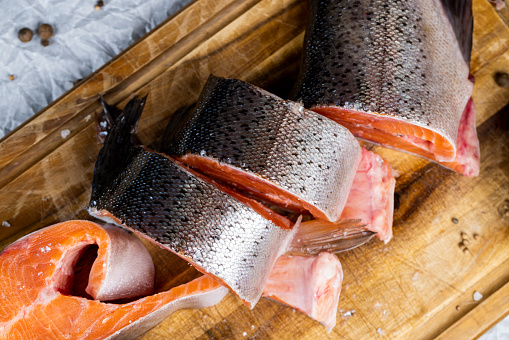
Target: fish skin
(397, 59)
(35, 304)
(245, 128)
(150, 194)
(461, 19)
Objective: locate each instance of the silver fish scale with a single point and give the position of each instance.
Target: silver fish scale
(397, 58)
(157, 198)
(298, 150)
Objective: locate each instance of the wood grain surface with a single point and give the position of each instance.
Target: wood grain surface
(418, 286)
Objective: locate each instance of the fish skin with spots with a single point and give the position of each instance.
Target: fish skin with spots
(270, 148)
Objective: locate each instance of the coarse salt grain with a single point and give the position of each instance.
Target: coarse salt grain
(65, 133)
(477, 296)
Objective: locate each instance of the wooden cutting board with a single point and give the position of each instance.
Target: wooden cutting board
(418, 286)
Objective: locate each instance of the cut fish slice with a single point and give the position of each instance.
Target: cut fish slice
(36, 275)
(219, 231)
(267, 148)
(371, 198)
(395, 74)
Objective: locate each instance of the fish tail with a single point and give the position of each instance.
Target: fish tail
(117, 149)
(317, 236)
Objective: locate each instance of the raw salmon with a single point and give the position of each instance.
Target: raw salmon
(37, 288)
(310, 284)
(396, 74)
(468, 154)
(371, 198)
(122, 268)
(268, 148)
(219, 231)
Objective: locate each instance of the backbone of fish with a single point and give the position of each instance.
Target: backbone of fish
(47, 299)
(395, 73)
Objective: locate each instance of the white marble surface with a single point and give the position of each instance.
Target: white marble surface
(499, 332)
(83, 41)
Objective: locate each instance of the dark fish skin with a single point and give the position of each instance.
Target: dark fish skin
(398, 59)
(461, 18)
(246, 128)
(150, 194)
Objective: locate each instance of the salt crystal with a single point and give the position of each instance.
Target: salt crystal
(252, 327)
(65, 133)
(244, 334)
(6, 224)
(348, 314)
(477, 296)
(380, 331)
(415, 277)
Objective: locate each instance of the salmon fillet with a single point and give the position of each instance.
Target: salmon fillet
(123, 269)
(36, 280)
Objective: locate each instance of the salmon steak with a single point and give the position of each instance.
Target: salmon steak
(219, 231)
(42, 298)
(267, 148)
(396, 74)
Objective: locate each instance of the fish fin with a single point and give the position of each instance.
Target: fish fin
(117, 149)
(178, 121)
(105, 119)
(462, 22)
(110, 112)
(317, 236)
